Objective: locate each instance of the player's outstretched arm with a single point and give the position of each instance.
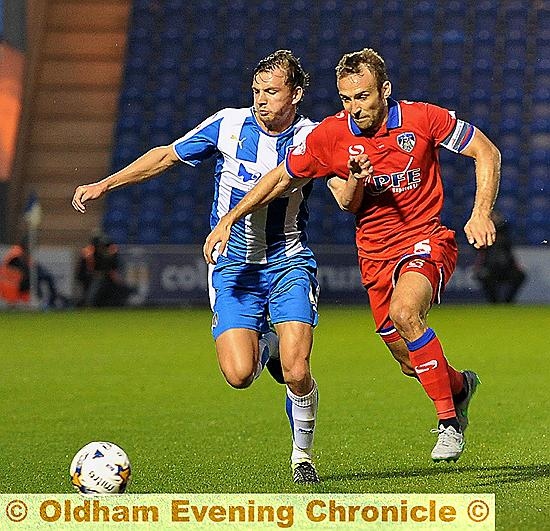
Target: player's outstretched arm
(272, 185)
(349, 192)
(152, 163)
(480, 229)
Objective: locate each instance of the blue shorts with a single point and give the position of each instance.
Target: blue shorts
(243, 295)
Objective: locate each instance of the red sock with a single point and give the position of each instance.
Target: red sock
(433, 371)
(456, 378)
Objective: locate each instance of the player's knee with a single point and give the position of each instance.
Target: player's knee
(239, 382)
(296, 374)
(405, 317)
(238, 378)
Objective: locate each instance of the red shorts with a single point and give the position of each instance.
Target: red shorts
(434, 257)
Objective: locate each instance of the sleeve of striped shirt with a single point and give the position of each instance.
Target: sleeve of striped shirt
(199, 143)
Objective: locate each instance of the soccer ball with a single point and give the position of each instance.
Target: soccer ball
(100, 468)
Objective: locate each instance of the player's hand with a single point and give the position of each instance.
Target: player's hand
(86, 192)
(480, 230)
(359, 167)
(216, 241)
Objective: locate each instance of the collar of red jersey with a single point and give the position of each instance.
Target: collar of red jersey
(394, 118)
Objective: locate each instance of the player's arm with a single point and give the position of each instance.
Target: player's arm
(272, 185)
(349, 192)
(152, 163)
(480, 229)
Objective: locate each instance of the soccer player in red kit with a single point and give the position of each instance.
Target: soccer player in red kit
(380, 157)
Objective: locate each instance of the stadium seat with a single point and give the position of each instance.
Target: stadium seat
(537, 234)
(119, 234)
(118, 216)
(538, 178)
(539, 156)
(508, 206)
(394, 7)
(120, 200)
(148, 234)
(511, 148)
(181, 235)
(481, 95)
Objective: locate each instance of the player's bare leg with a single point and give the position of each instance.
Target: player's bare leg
(400, 352)
(296, 341)
(242, 354)
(409, 307)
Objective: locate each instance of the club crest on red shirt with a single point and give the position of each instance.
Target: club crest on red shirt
(406, 141)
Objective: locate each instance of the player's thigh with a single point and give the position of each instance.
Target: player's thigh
(420, 276)
(413, 293)
(238, 352)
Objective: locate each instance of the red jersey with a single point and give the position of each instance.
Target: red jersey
(404, 198)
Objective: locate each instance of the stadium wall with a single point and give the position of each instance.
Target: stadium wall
(177, 275)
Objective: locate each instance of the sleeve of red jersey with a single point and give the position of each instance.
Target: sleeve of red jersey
(307, 160)
(447, 130)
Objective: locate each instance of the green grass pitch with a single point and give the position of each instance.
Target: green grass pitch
(148, 380)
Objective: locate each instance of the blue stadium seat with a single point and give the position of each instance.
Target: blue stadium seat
(175, 7)
(485, 50)
(181, 235)
(539, 156)
(183, 201)
(481, 95)
(537, 234)
(320, 110)
(117, 233)
(508, 205)
(120, 200)
(541, 94)
(117, 216)
(393, 7)
(543, 34)
(511, 147)
(151, 187)
(539, 178)
(152, 201)
(538, 214)
(510, 124)
(542, 66)
(148, 234)
(180, 217)
(539, 124)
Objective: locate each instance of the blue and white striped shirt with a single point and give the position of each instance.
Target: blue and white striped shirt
(244, 153)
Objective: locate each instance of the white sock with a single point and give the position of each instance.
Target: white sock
(301, 411)
(268, 346)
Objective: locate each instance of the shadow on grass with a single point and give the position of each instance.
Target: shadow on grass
(482, 476)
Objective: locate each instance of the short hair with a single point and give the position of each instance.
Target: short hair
(296, 76)
(355, 62)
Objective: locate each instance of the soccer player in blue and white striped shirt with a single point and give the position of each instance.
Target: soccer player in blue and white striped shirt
(267, 268)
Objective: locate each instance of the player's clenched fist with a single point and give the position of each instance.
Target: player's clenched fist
(86, 192)
(360, 167)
